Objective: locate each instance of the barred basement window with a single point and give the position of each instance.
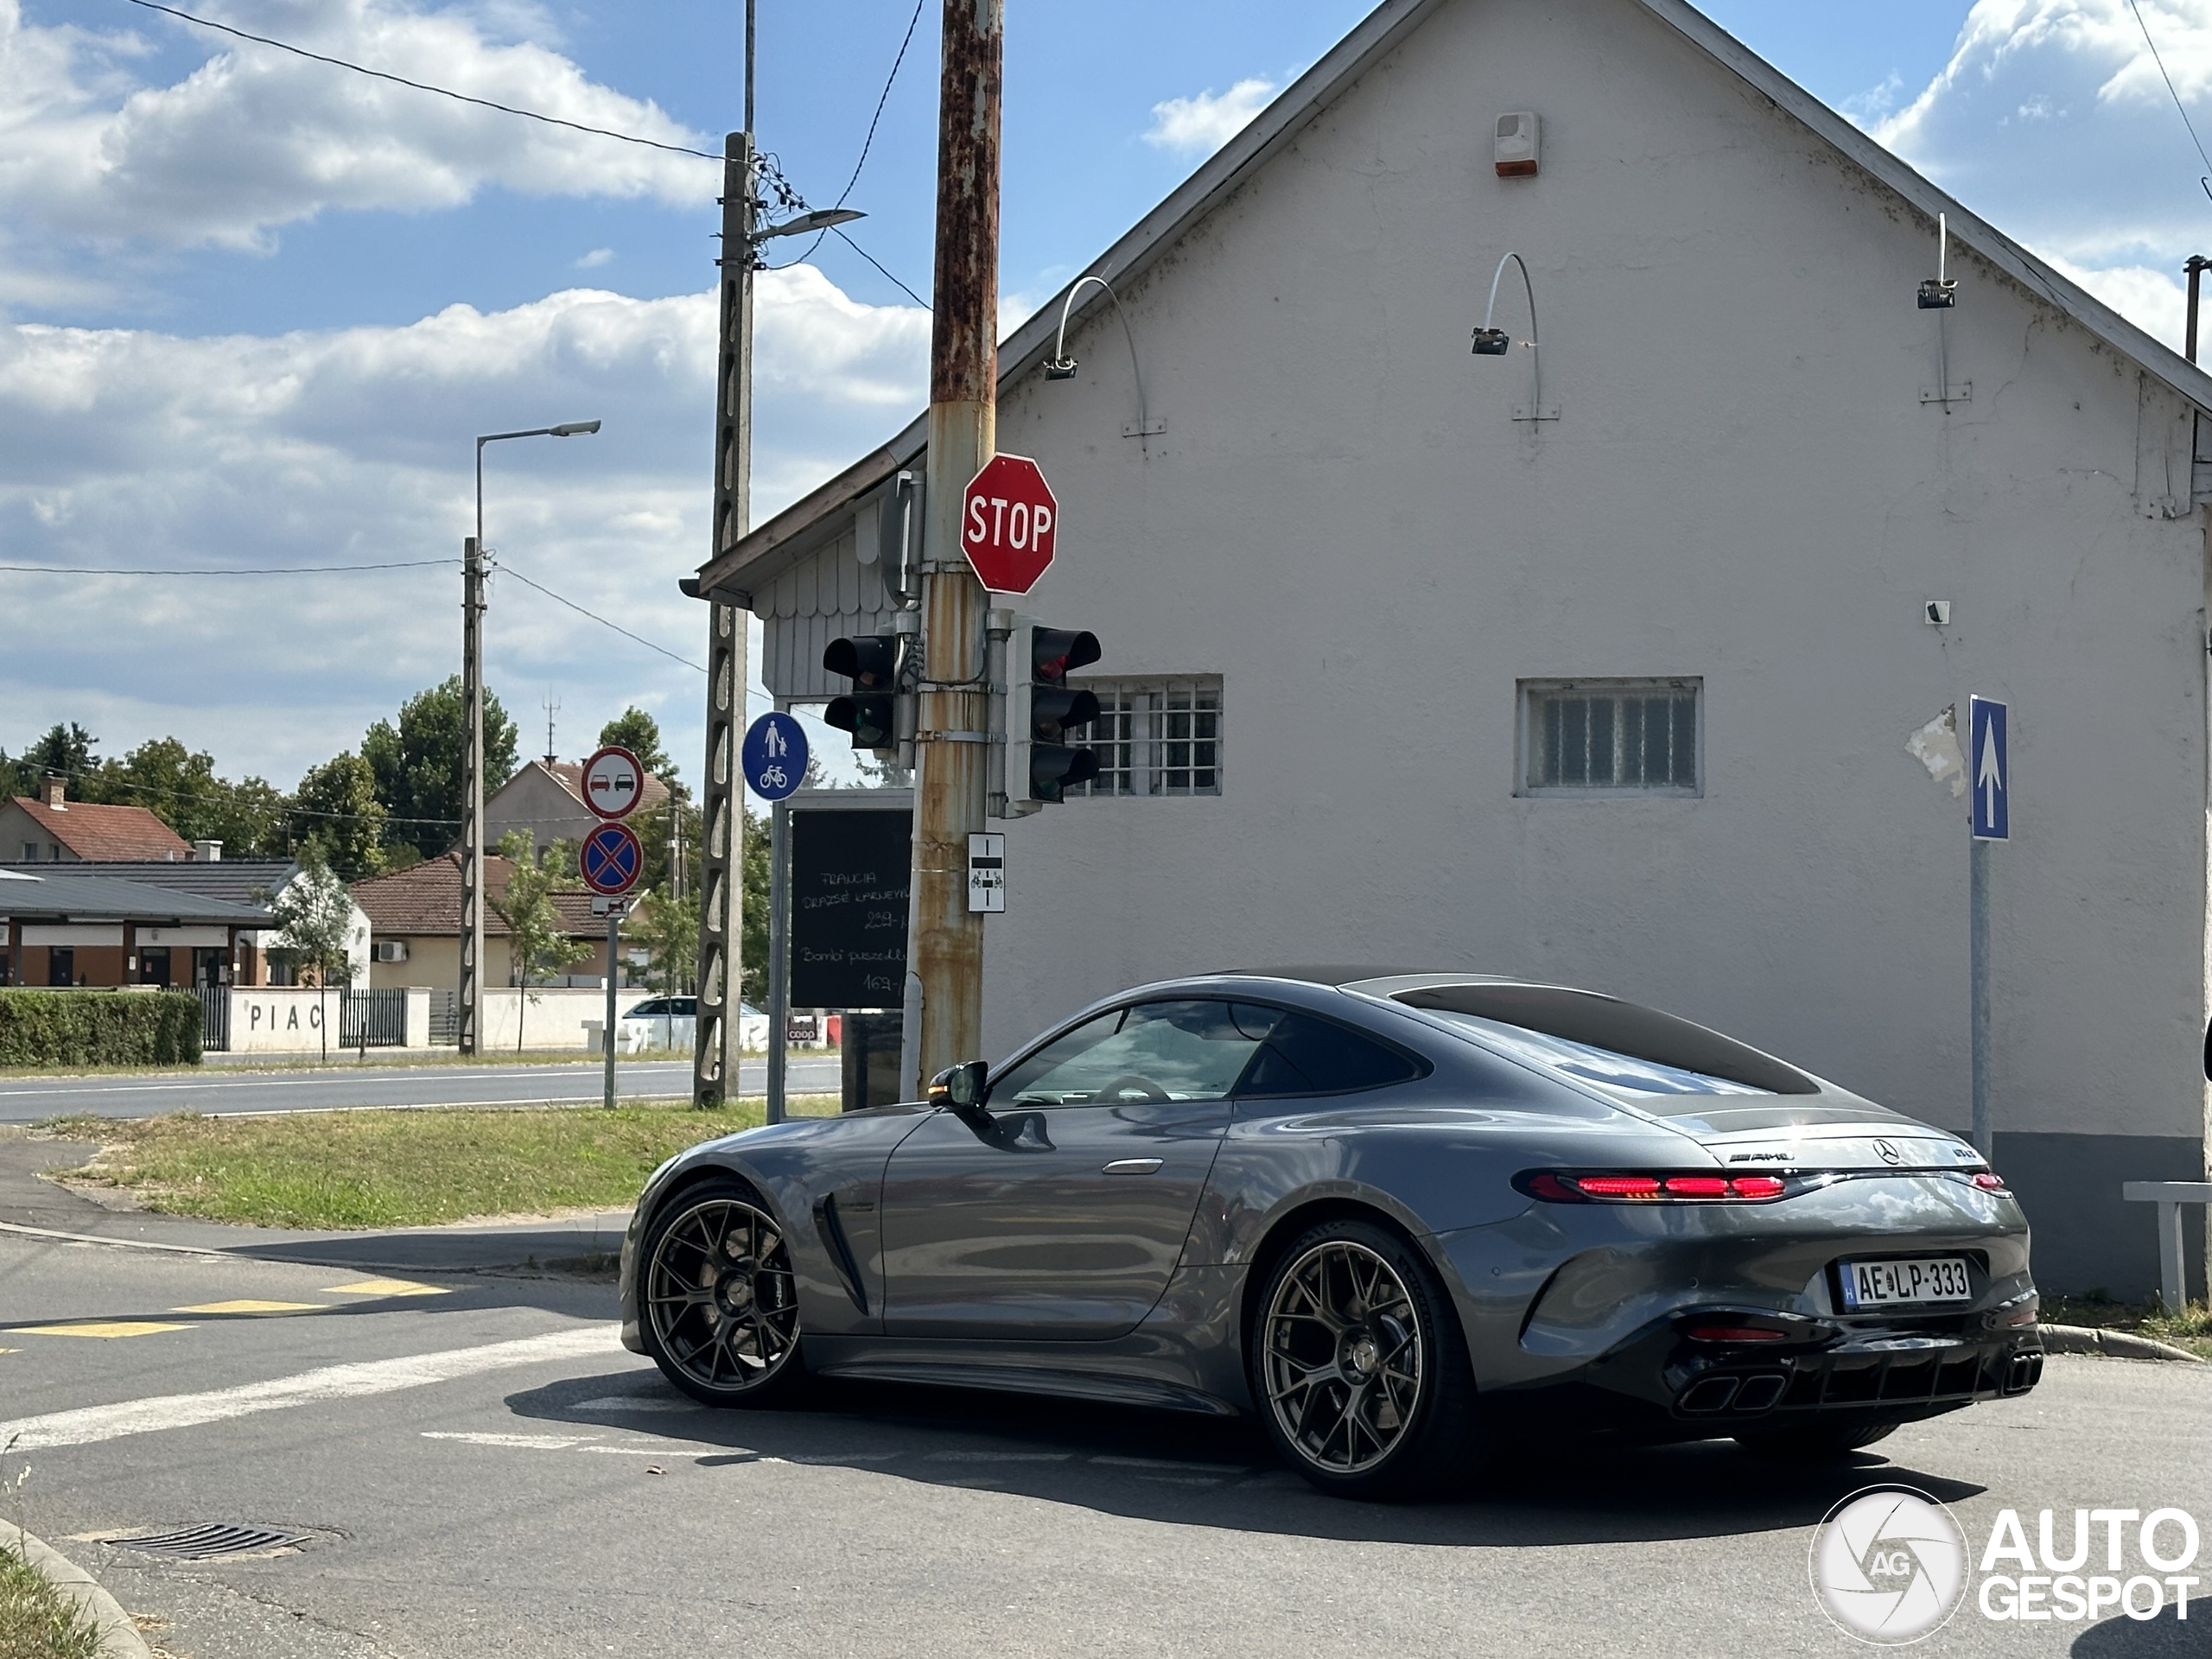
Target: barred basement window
(1155, 736)
(1616, 737)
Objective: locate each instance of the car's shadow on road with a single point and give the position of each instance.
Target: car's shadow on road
(1194, 1471)
(2166, 1636)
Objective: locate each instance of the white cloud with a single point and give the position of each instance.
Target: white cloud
(2051, 120)
(1201, 124)
(596, 258)
(1865, 109)
(255, 138)
(132, 447)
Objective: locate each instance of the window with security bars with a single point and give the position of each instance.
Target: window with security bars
(1154, 737)
(1617, 737)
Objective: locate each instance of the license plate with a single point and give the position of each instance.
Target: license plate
(1894, 1284)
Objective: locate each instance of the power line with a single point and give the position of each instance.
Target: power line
(2176, 96)
(594, 616)
(281, 807)
(211, 571)
(889, 81)
(878, 264)
(424, 86)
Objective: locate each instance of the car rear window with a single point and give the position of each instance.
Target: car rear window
(1602, 1039)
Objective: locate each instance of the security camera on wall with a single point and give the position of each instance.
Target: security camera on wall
(1516, 145)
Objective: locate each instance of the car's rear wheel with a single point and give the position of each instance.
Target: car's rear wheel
(717, 1299)
(1359, 1367)
(1816, 1443)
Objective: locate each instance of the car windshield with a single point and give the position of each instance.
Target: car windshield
(653, 1006)
(1601, 1039)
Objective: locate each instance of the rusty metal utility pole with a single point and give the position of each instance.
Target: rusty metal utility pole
(721, 795)
(951, 740)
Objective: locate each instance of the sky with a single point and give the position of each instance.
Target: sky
(254, 308)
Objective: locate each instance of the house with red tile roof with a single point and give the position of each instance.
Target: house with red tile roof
(53, 829)
(415, 915)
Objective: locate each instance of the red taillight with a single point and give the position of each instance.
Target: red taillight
(1617, 1186)
(1554, 1187)
(1734, 1333)
(1989, 1182)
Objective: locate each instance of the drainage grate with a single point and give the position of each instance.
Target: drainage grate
(205, 1543)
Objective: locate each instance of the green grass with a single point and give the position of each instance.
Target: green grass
(395, 1057)
(362, 1169)
(2191, 1328)
(35, 1622)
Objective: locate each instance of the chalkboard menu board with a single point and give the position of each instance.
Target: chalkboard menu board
(849, 876)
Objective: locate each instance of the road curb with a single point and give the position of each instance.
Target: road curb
(2118, 1344)
(119, 1638)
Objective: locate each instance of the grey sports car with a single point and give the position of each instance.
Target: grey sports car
(1403, 1218)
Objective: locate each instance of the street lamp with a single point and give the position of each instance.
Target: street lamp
(470, 1035)
(1061, 366)
(1495, 342)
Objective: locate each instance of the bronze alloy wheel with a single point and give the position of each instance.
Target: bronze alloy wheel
(720, 1303)
(1342, 1357)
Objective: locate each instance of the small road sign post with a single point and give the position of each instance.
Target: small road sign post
(1009, 524)
(614, 782)
(987, 874)
(1989, 775)
(773, 756)
(610, 861)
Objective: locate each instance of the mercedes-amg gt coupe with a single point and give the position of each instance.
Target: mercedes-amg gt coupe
(1404, 1219)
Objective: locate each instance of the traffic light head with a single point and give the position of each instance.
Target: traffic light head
(1043, 710)
(1054, 653)
(875, 664)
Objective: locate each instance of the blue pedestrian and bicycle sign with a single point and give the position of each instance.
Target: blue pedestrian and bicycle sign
(610, 858)
(774, 757)
(1989, 770)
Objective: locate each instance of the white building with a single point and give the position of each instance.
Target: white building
(1389, 595)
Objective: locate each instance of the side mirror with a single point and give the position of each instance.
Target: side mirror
(960, 1090)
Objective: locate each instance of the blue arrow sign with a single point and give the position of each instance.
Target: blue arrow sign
(1989, 770)
(774, 758)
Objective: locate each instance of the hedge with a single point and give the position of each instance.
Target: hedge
(100, 1028)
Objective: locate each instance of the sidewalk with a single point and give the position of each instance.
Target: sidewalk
(29, 1205)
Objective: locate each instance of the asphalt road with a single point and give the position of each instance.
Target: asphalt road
(30, 1100)
(477, 1469)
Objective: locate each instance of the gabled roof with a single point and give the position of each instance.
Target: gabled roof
(570, 775)
(102, 897)
(239, 880)
(105, 833)
(741, 569)
(424, 900)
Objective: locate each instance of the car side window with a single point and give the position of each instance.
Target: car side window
(1191, 1050)
(1306, 1056)
(651, 1006)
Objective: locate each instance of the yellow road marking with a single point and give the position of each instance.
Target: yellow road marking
(385, 1288)
(247, 1305)
(99, 1328)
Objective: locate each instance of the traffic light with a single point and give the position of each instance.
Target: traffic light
(1042, 709)
(876, 664)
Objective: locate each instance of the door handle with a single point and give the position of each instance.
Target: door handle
(1133, 1166)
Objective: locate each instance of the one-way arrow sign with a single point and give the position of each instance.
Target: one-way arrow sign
(1990, 768)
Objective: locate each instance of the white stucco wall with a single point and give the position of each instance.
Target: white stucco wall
(1342, 521)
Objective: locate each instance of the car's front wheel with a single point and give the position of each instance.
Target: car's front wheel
(1360, 1369)
(717, 1301)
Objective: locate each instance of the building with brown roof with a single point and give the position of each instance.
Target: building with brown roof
(415, 915)
(53, 829)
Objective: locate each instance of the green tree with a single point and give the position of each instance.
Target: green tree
(336, 803)
(17, 776)
(639, 733)
(417, 764)
(315, 926)
(539, 943)
(181, 787)
(752, 925)
(668, 928)
(66, 749)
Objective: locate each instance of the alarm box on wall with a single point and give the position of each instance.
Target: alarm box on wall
(1516, 145)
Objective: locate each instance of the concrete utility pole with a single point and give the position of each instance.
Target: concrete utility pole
(472, 777)
(952, 742)
(713, 1060)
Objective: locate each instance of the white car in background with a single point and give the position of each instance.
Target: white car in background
(671, 1022)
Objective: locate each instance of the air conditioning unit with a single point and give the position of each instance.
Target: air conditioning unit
(1516, 145)
(390, 950)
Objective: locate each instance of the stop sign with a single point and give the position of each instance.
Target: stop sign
(1008, 521)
